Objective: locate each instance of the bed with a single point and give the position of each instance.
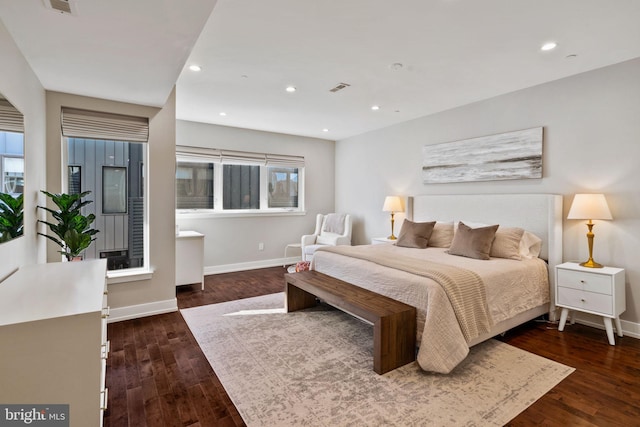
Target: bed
(514, 291)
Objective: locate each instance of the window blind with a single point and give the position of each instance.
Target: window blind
(277, 160)
(98, 125)
(197, 154)
(10, 118)
(243, 158)
(213, 155)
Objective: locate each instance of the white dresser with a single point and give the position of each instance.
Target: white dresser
(53, 338)
(190, 258)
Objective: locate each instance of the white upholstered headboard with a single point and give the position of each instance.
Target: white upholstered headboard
(540, 214)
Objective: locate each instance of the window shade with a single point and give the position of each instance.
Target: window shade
(197, 154)
(293, 161)
(97, 125)
(10, 118)
(243, 158)
(213, 155)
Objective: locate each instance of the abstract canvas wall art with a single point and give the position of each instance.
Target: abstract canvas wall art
(510, 155)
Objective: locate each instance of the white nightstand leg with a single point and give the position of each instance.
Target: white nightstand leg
(609, 328)
(618, 326)
(563, 319)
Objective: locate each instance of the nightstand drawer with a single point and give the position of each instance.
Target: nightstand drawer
(587, 282)
(586, 301)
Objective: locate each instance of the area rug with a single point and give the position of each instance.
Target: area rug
(315, 368)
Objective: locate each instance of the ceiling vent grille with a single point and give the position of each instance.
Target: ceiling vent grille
(67, 7)
(339, 86)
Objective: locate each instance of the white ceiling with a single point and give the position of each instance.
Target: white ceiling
(453, 52)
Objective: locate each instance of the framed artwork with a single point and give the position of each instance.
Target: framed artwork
(510, 155)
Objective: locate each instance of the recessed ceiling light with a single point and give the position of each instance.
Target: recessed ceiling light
(375, 107)
(549, 46)
(222, 113)
(291, 89)
(195, 67)
(325, 130)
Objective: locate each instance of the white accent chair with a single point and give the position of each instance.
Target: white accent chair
(331, 229)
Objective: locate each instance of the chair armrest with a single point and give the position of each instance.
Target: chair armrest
(343, 240)
(308, 239)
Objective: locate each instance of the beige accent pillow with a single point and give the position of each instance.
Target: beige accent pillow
(415, 234)
(473, 242)
(506, 243)
(442, 235)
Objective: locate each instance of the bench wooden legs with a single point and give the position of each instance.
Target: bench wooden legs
(394, 341)
(394, 331)
(297, 299)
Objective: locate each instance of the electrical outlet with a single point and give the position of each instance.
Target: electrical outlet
(261, 246)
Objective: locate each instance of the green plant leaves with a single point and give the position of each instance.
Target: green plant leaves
(11, 216)
(72, 227)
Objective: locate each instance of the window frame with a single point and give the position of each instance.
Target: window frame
(132, 274)
(218, 159)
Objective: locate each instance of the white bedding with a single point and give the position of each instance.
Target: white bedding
(512, 287)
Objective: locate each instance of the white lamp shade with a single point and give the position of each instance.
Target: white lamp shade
(392, 204)
(589, 206)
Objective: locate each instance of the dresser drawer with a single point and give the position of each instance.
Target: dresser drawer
(585, 301)
(585, 281)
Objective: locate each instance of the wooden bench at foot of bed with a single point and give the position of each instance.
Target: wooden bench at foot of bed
(394, 322)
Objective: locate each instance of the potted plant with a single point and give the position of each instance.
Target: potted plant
(11, 216)
(72, 229)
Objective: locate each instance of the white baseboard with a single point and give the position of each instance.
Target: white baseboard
(252, 265)
(142, 310)
(629, 329)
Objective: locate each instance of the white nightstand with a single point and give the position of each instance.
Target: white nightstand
(379, 240)
(598, 291)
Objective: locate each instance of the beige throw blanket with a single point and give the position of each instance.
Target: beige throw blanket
(448, 322)
(464, 288)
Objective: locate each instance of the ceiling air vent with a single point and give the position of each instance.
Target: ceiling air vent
(67, 7)
(339, 86)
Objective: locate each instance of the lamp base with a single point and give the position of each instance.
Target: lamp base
(591, 264)
(392, 237)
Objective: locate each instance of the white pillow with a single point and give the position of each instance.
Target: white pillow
(530, 245)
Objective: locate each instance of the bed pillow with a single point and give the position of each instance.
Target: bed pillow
(442, 235)
(530, 245)
(506, 243)
(473, 242)
(415, 234)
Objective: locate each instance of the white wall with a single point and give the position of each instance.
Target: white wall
(158, 293)
(21, 87)
(591, 144)
(232, 243)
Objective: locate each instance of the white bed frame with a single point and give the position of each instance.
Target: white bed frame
(540, 214)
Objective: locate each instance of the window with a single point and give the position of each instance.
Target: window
(283, 187)
(74, 179)
(106, 155)
(237, 182)
(240, 187)
(11, 162)
(12, 175)
(114, 190)
(194, 185)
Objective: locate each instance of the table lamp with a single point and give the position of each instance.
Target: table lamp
(392, 204)
(589, 207)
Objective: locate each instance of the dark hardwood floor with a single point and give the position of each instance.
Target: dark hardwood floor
(158, 376)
